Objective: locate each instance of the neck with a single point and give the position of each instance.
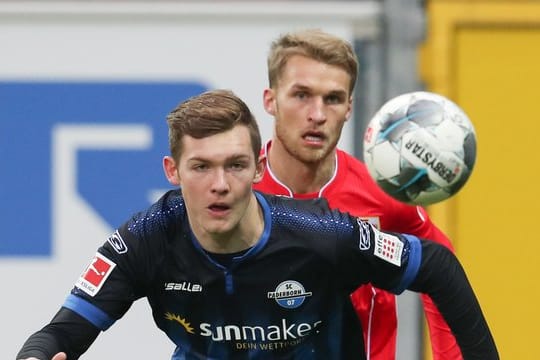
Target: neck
(300, 176)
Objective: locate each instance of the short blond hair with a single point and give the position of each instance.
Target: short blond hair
(315, 44)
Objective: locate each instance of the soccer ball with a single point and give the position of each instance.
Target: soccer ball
(420, 148)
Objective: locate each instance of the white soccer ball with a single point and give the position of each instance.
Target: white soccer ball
(420, 148)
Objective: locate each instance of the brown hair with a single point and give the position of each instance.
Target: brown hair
(207, 114)
(314, 44)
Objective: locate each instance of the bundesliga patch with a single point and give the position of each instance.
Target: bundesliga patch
(388, 247)
(93, 278)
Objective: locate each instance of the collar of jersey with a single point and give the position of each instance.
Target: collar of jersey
(267, 214)
(269, 171)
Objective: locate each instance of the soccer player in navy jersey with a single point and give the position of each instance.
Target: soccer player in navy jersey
(231, 273)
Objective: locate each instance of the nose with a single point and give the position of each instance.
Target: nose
(220, 183)
(317, 111)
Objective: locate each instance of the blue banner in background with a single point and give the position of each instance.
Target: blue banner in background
(115, 182)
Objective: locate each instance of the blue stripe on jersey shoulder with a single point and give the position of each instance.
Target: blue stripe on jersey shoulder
(89, 311)
(267, 213)
(413, 265)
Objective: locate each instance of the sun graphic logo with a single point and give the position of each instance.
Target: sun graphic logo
(181, 321)
(289, 294)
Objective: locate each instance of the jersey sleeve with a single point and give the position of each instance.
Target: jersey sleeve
(389, 261)
(415, 220)
(67, 332)
(396, 262)
(120, 272)
(123, 269)
(442, 277)
(108, 286)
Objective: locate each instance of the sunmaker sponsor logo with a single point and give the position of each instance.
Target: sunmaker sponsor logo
(283, 332)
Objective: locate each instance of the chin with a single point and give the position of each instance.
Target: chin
(312, 156)
(219, 229)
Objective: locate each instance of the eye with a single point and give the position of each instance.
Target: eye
(301, 95)
(333, 99)
(200, 167)
(236, 166)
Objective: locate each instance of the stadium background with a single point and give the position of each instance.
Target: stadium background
(85, 86)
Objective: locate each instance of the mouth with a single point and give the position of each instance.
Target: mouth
(219, 208)
(314, 137)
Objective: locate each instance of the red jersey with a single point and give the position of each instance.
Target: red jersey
(351, 189)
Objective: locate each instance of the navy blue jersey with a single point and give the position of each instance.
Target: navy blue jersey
(285, 298)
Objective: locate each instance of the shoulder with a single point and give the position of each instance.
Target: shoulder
(351, 164)
(307, 218)
(163, 213)
(354, 187)
(154, 228)
(349, 167)
(149, 236)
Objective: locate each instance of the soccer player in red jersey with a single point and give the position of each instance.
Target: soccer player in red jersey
(312, 75)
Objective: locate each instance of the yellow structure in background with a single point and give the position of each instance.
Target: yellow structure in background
(485, 55)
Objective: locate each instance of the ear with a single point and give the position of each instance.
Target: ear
(349, 108)
(259, 171)
(171, 171)
(269, 101)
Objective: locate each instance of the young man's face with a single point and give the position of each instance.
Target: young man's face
(310, 104)
(216, 174)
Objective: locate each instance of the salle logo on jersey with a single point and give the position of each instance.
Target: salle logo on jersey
(289, 294)
(183, 286)
(93, 278)
(117, 243)
(388, 247)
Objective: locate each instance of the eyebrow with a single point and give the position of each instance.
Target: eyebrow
(229, 158)
(308, 88)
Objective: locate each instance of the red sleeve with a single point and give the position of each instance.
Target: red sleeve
(443, 342)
